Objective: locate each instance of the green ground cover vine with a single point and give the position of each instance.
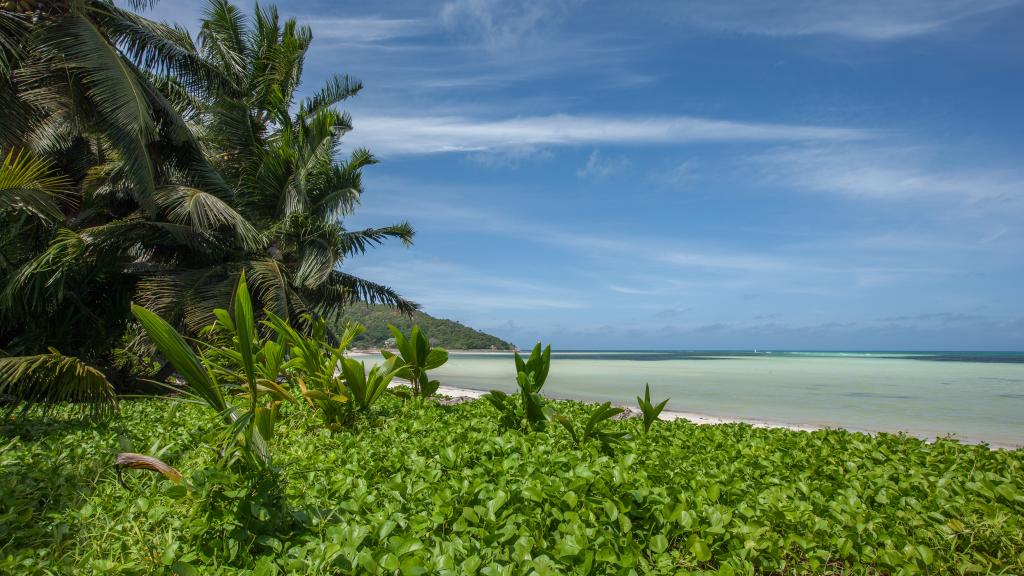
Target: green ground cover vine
(428, 489)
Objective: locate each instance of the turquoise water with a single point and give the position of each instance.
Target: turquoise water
(974, 396)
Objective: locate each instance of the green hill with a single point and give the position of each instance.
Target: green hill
(444, 333)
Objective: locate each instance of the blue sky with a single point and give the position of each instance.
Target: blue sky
(692, 175)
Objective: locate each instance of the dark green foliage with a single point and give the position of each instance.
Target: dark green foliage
(446, 490)
(650, 411)
(447, 334)
(79, 103)
(140, 167)
(48, 379)
(415, 357)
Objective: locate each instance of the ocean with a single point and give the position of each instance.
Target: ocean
(973, 396)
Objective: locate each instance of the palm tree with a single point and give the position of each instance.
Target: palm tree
(76, 71)
(277, 154)
(85, 134)
(142, 167)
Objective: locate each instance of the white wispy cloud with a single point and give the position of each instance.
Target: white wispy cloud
(636, 291)
(449, 287)
(432, 134)
(676, 264)
(599, 166)
(887, 172)
(502, 25)
(870, 20)
(362, 30)
(681, 173)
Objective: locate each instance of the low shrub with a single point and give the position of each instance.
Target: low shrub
(526, 410)
(416, 356)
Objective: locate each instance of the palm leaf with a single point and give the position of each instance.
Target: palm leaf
(113, 91)
(358, 241)
(223, 39)
(28, 183)
(270, 281)
(161, 49)
(340, 87)
(337, 190)
(173, 347)
(53, 378)
(342, 288)
(205, 212)
(43, 278)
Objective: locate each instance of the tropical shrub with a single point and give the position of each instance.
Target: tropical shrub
(316, 365)
(650, 411)
(89, 140)
(367, 387)
(593, 428)
(525, 411)
(249, 426)
(415, 357)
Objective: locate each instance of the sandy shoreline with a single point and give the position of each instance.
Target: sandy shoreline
(710, 420)
(360, 352)
(667, 415)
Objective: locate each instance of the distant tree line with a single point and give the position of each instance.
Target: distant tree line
(444, 333)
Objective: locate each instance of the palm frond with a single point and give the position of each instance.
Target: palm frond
(116, 96)
(339, 88)
(51, 134)
(273, 288)
(28, 183)
(269, 188)
(358, 241)
(337, 191)
(48, 379)
(15, 115)
(317, 262)
(286, 66)
(141, 4)
(205, 212)
(223, 39)
(43, 278)
(236, 136)
(342, 289)
(187, 297)
(14, 30)
(161, 49)
(262, 43)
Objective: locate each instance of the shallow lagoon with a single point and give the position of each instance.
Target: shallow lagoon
(975, 397)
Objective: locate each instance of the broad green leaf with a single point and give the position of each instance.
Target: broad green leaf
(700, 550)
(173, 347)
(245, 331)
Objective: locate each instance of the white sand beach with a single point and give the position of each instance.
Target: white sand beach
(710, 420)
(667, 415)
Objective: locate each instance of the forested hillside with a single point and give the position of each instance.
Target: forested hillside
(444, 333)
